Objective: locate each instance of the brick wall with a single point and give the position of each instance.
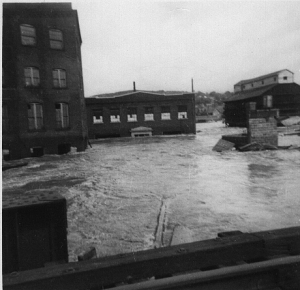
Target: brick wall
(263, 130)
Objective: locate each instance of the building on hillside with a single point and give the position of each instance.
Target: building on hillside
(276, 90)
(43, 108)
(140, 113)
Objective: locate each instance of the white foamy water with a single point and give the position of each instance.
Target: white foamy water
(116, 189)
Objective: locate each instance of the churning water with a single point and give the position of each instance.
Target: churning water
(118, 190)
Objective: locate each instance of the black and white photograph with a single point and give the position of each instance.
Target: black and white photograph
(150, 144)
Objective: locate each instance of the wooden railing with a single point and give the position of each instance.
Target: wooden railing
(270, 257)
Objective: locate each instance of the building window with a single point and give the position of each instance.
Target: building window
(62, 115)
(131, 114)
(149, 114)
(5, 122)
(182, 112)
(268, 101)
(32, 77)
(275, 79)
(252, 85)
(285, 78)
(28, 35)
(165, 113)
(56, 39)
(59, 78)
(97, 116)
(35, 116)
(262, 82)
(114, 115)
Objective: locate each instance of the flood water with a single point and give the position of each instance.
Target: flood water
(117, 190)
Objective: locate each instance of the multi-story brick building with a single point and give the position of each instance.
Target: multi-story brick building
(43, 109)
(139, 113)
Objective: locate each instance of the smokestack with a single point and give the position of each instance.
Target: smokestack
(192, 85)
(134, 86)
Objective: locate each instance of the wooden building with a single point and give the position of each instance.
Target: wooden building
(160, 114)
(276, 90)
(43, 109)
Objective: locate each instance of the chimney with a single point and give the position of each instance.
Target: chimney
(134, 86)
(192, 85)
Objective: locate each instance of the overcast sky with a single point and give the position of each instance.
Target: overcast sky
(161, 45)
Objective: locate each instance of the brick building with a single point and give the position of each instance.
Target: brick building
(121, 115)
(276, 90)
(43, 109)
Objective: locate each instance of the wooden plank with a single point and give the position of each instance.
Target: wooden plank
(161, 262)
(260, 275)
(140, 265)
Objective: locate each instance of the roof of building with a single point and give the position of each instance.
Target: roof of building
(261, 77)
(274, 89)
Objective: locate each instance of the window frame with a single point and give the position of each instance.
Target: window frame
(149, 111)
(98, 113)
(63, 122)
(35, 118)
(34, 81)
(53, 40)
(165, 113)
(59, 79)
(132, 114)
(117, 118)
(182, 111)
(28, 35)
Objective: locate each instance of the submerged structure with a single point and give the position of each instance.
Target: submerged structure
(275, 90)
(43, 109)
(140, 113)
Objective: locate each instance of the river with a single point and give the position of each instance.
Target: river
(118, 190)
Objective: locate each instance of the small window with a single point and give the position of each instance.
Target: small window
(182, 112)
(62, 115)
(285, 78)
(275, 79)
(35, 116)
(149, 114)
(262, 82)
(114, 115)
(165, 113)
(131, 114)
(5, 122)
(97, 116)
(252, 85)
(56, 39)
(28, 35)
(59, 78)
(32, 77)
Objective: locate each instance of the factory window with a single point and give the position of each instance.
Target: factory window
(114, 115)
(165, 113)
(28, 35)
(35, 116)
(62, 115)
(97, 116)
(182, 112)
(4, 118)
(149, 114)
(32, 77)
(131, 114)
(59, 78)
(56, 39)
(285, 78)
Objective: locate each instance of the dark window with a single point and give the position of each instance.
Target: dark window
(182, 112)
(5, 122)
(275, 79)
(114, 115)
(28, 35)
(97, 116)
(262, 82)
(285, 78)
(165, 113)
(59, 78)
(32, 77)
(132, 114)
(56, 39)
(35, 116)
(62, 115)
